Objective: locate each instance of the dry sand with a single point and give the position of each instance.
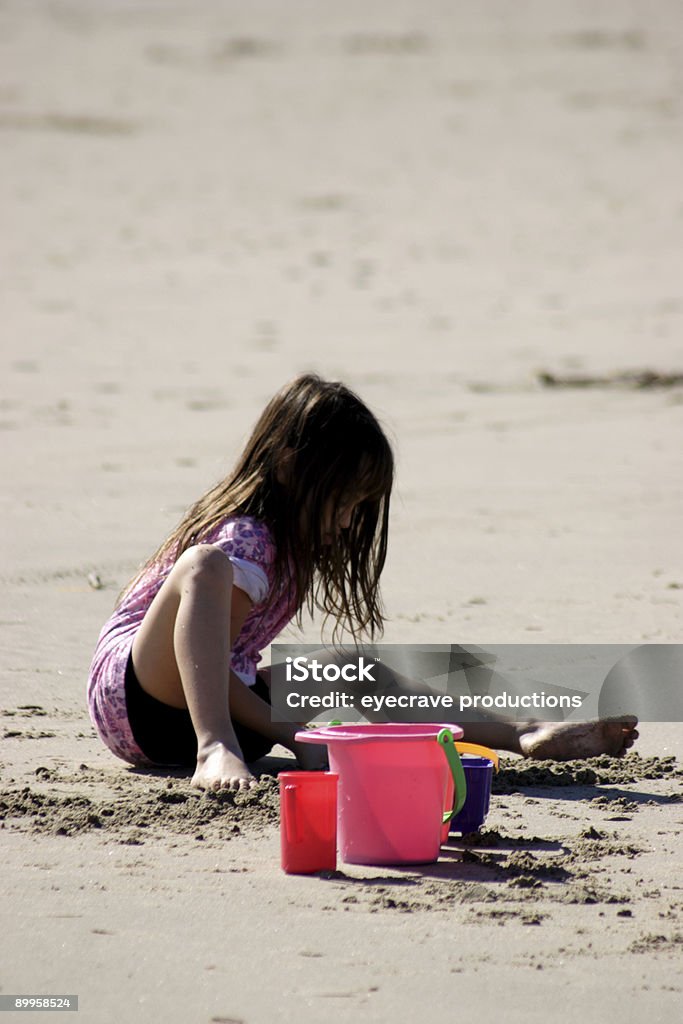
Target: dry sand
(438, 203)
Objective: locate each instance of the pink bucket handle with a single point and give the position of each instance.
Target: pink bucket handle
(445, 738)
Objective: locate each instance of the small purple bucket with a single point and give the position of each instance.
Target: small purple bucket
(479, 776)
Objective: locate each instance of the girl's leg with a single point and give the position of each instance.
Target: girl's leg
(556, 741)
(181, 656)
(559, 741)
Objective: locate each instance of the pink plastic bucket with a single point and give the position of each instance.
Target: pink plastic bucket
(395, 784)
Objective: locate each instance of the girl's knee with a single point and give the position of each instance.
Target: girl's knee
(204, 565)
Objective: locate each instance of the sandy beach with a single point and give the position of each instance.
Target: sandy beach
(471, 213)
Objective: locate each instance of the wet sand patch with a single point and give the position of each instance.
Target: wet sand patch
(69, 802)
(141, 808)
(592, 771)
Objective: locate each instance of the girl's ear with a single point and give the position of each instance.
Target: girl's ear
(285, 465)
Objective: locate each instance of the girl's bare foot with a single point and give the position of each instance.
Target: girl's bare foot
(566, 741)
(220, 768)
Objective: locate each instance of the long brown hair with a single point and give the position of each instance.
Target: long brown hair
(315, 447)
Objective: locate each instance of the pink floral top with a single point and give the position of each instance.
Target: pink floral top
(242, 538)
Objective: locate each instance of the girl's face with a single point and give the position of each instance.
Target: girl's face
(337, 516)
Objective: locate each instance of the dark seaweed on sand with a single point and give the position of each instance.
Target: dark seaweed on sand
(638, 379)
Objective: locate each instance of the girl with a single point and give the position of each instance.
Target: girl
(300, 522)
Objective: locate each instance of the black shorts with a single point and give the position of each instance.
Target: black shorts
(166, 735)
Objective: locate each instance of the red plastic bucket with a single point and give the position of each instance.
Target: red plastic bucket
(308, 822)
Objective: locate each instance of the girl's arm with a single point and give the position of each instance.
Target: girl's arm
(247, 708)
